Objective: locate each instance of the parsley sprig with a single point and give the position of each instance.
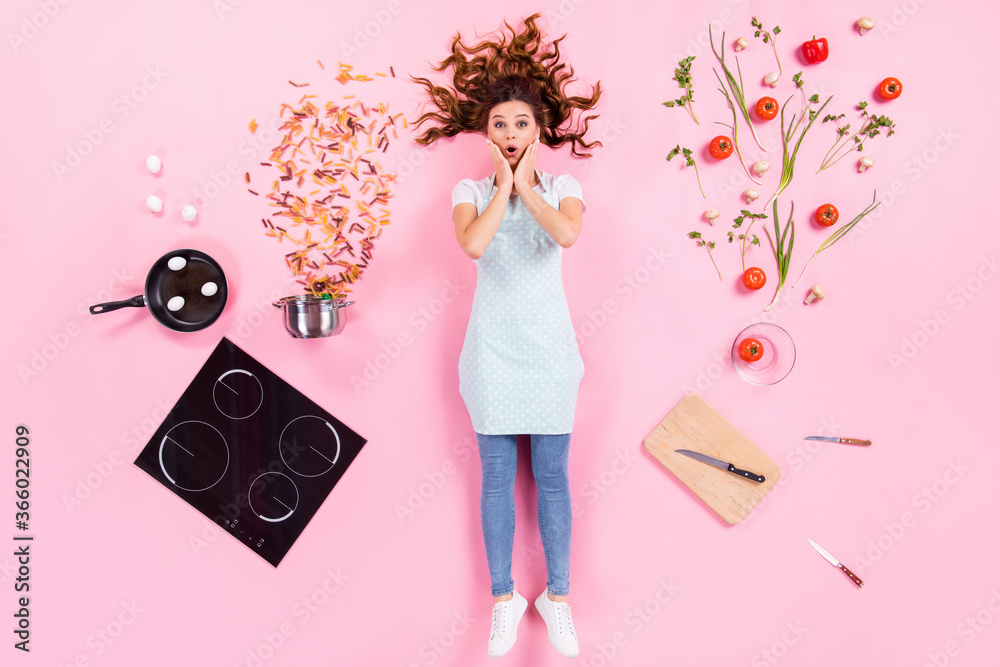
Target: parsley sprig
(689, 158)
(682, 75)
(768, 37)
(709, 246)
(746, 239)
(872, 126)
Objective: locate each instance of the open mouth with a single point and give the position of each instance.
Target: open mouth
(511, 150)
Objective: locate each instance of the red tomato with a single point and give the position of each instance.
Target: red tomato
(767, 108)
(890, 88)
(827, 215)
(754, 278)
(751, 350)
(721, 147)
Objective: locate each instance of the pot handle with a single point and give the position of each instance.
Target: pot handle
(134, 302)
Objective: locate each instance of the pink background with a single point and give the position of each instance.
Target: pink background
(124, 573)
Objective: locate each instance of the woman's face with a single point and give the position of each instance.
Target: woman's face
(512, 127)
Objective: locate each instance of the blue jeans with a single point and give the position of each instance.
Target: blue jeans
(549, 462)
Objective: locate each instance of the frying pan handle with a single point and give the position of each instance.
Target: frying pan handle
(134, 302)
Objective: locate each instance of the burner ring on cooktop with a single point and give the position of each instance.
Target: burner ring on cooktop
(277, 496)
(309, 446)
(238, 394)
(194, 456)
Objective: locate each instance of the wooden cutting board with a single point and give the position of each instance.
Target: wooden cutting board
(693, 424)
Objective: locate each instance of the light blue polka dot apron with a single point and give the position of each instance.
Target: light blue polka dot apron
(520, 367)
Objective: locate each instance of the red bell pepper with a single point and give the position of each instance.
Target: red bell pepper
(816, 50)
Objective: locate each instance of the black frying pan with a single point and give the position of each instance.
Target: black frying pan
(164, 283)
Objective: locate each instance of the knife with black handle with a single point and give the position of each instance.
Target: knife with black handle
(722, 465)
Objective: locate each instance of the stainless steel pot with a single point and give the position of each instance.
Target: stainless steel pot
(310, 316)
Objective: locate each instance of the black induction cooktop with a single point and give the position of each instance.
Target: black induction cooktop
(250, 452)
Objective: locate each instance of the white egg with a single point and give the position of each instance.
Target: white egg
(189, 213)
(175, 304)
(154, 203)
(153, 163)
(209, 289)
(176, 263)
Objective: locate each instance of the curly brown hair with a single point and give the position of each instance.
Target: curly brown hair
(522, 67)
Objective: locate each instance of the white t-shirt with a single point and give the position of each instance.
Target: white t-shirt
(475, 192)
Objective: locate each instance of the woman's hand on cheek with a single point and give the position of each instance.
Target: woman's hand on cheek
(500, 165)
(525, 173)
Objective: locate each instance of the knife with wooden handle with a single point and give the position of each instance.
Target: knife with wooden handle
(843, 441)
(836, 563)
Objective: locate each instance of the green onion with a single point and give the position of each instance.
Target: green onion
(788, 157)
(782, 255)
(837, 235)
(736, 88)
(736, 142)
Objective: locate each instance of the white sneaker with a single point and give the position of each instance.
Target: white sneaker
(506, 616)
(559, 621)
